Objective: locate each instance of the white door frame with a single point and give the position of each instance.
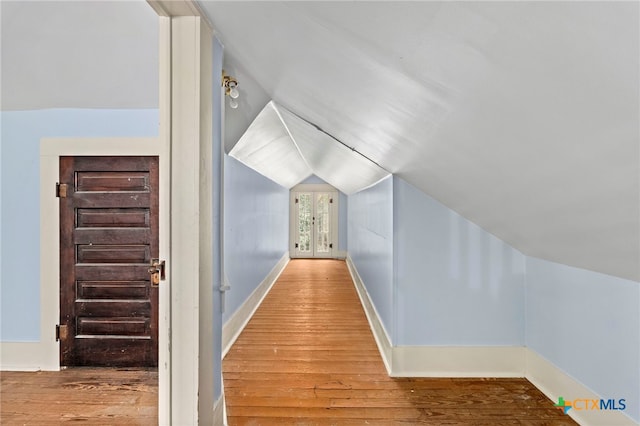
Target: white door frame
(293, 214)
(184, 140)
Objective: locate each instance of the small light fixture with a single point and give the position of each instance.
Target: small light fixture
(230, 85)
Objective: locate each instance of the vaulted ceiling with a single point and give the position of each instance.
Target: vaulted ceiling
(287, 149)
(520, 116)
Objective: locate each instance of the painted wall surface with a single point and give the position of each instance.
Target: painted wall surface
(456, 284)
(587, 324)
(343, 223)
(20, 193)
(343, 201)
(218, 175)
(370, 231)
(256, 230)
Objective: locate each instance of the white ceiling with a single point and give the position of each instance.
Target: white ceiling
(73, 54)
(521, 116)
(267, 147)
(285, 148)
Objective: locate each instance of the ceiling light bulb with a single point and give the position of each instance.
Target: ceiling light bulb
(233, 103)
(234, 93)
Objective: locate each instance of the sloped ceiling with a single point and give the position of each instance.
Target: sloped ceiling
(521, 116)
(268, 148)
(287, 150)
(330, 159)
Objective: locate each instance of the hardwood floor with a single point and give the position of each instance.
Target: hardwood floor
(308, 357)
(95, 396)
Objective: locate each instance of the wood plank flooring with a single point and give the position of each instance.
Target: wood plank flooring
(307, 357)
(92, 396)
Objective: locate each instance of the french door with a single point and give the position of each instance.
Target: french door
(313, 224)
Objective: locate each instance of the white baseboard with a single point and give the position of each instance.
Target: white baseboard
(555, 383)
(219, 418)
(237, 322)
(379, 332)
(433, 361)
(27, 356)
(458, 361)
(488, 361)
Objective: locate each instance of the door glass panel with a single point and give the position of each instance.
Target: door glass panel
(305, 211)
(322, 223)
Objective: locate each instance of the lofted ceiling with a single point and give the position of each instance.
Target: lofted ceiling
(520, 116)
(287, 149)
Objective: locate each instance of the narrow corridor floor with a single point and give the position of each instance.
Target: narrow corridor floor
(308, 357)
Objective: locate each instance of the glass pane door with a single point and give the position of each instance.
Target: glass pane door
(305, 223)
(323, 224)
(313, 224)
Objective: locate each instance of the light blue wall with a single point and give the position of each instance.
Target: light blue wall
(456, 284)
(217, 216)
(343, 223)
(441, 280)
(588, 325)
(342, 212)
(256, 230)
(21, 134)
(370, 231)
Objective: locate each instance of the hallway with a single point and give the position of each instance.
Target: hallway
(308, 357)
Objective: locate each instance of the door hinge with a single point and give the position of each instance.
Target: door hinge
(296, 201)
(297, 245)
(330, 245)
(330, 200)
(61, 332)
(61, 190)
(157, 271)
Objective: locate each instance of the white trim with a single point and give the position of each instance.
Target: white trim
(191, 238)
(185, 117)
(206, 333)
(377, 328)
(219, 415)
(484, 361)
(238, 321)
(56, 147)
(175, 8)
(458, 361)
(432, 361)
(28, 356)
(554, 382)
(164, 135)
(314, 188)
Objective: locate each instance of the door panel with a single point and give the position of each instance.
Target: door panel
(313, 228)
(305, 226)
(108, 236)
(322, 229)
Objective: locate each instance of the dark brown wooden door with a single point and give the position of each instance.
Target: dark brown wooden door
(108, 236)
